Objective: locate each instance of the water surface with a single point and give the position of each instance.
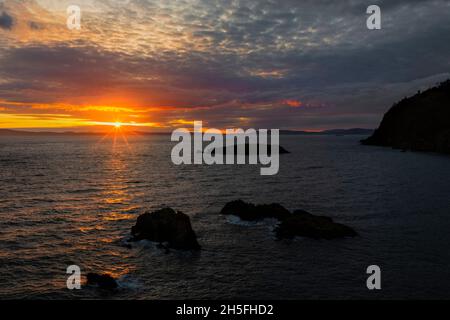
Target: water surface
(73, 200)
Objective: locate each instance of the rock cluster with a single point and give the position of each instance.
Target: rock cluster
(299, 223)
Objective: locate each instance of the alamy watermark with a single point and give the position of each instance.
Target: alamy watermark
(235, 146)
(374, 20)
(74, 17)
(74, 280)
(374, 280)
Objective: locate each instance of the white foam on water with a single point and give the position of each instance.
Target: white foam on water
(270, 222)
(129, 283)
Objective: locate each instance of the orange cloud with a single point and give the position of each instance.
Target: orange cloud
(293, 103)
(11, 121)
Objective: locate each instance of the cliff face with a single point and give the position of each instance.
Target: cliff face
(419, 123)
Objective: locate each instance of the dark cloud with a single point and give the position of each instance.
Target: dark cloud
(6, 21)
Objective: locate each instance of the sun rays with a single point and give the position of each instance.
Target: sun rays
(117, 131)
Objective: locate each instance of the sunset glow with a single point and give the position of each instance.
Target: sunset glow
(158, 65)
(225, 157)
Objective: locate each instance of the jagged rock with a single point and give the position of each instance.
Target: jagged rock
(166, 225)
(304, 224)
(418, 123)
(103, 281)
(249, 212)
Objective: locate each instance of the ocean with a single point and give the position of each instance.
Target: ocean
(68, 200)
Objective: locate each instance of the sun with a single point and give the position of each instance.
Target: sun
(117, 125)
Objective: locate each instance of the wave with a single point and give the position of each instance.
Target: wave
(232, 219)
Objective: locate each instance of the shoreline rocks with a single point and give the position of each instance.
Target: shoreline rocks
(299, 223)
(166, 226)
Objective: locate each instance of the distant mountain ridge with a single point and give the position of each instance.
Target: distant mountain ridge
(418, 123)
(12, 132)
(354, 131)
(339, 132)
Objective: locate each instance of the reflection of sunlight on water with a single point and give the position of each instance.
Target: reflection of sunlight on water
(79, 212)
(115, 196)
(130, 209)
(113, 216)
(117, 168)
(108, 240)
(113, 204)
(117, 272)
(92, 228)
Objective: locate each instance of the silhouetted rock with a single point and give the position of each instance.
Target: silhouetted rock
(283, 150)
(250, 212)
(420, 123)
(166, 225)
(304, 224)
(300, 223)
(223, 150)
(103, 281)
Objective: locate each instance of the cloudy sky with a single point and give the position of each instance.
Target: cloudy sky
(160, 64)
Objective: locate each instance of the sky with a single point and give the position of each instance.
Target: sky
(162, 64)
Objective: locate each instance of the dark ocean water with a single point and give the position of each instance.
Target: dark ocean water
(73, 200)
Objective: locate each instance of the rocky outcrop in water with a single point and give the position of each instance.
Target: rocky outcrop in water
(166, 226)
(250, 212)
(103, 281)
(223, 150)
(304, 224)
(418, 123)
(299, 223)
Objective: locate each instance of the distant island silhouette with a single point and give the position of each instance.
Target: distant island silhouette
(17, 132)
(417, 123)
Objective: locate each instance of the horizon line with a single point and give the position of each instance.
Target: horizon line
(37, 131)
